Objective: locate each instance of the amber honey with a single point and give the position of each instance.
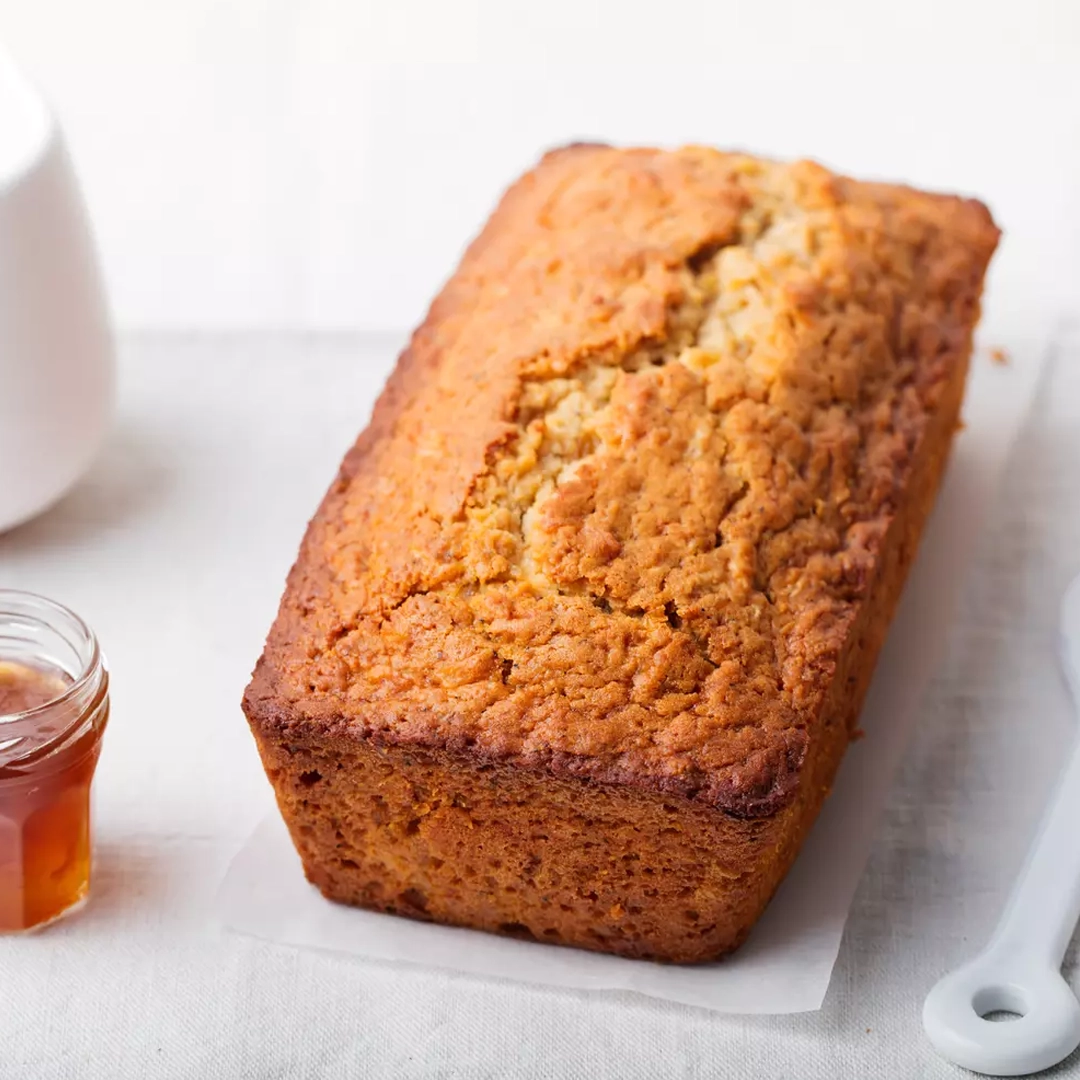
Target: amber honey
(53, 709)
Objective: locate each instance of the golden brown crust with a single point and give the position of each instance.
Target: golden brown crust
(619, 506)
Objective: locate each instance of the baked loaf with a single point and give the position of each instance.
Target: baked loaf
(578, 636)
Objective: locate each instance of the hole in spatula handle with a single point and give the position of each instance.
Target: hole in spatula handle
(1001, 1003)
(962, 1015)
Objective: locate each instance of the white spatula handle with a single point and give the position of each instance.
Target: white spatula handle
(1019, 970)
(1043, 909)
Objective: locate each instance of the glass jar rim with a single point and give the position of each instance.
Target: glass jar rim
(90, 669)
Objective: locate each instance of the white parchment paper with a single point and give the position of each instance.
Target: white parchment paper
(786, 964)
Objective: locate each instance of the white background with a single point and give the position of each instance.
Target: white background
(319, 164)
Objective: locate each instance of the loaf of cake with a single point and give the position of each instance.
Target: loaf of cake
(579, 634)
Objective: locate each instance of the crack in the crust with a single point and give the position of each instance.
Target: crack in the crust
(649, 355)
(556, 414)
(556, 419)
(736, 498)
(603, 368)
(411, 592)
(589, 387)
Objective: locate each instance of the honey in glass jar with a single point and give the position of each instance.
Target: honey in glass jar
(54, 704)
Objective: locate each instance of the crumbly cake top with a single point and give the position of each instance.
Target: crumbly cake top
(620, 501)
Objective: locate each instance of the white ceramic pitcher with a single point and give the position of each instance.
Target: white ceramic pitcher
(56, 352)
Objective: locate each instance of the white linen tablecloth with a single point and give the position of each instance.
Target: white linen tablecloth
(175, 549)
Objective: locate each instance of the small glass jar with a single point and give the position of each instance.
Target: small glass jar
(48, 753)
